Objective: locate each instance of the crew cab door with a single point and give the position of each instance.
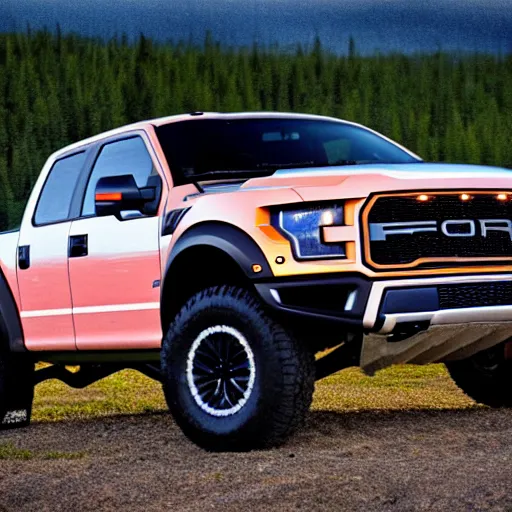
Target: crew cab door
(43, 280)
(114, 264)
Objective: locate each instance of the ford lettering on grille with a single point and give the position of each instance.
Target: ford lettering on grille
(467, 228)
(403, 231)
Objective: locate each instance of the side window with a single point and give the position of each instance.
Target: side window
(55, 199)
(128, 156)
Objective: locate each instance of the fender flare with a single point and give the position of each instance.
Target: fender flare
(10, 322)
(234, 242)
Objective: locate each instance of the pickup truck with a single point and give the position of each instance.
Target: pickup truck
(238, 258)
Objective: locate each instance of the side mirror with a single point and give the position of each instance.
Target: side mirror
(116, 194)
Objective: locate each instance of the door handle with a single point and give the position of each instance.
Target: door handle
(24, 257)
(78, 246)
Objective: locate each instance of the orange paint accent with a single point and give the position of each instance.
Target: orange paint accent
(262, 216)
(115, 196)
(273, 234)
(263, 223)
(419, 261)
(450, 271)
(349, 213)
(350, 250)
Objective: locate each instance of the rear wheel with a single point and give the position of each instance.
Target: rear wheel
(233, 378)
(16, 390)
(486, 377)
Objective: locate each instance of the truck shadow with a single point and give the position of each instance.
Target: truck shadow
(346, 433)
(370, 422)
(320, 421)
(326, 423)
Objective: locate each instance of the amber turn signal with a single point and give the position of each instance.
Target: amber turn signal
(423, 198)
(502, 197)
(257, 268)
(116, 196)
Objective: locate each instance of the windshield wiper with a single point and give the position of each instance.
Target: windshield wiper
(261, 170)
(198, 186)
(289, 165)
(215, 173)
(310, 163)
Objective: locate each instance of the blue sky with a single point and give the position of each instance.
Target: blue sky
(386, 25)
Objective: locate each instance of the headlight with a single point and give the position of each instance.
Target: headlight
(303, 227)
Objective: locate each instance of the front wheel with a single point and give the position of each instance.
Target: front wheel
(233, 378)
(486, 377)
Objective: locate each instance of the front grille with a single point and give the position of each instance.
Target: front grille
(431, 248)
(475, 295)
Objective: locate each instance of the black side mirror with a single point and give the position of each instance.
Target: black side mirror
(116, 194)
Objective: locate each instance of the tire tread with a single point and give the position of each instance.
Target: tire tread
(296, 362)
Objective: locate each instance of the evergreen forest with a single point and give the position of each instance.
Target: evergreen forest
(56, 89)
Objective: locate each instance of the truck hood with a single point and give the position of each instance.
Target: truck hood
(358, 181)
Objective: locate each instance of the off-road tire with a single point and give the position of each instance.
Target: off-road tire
(284, 374)
(16, 389)
(485, 377)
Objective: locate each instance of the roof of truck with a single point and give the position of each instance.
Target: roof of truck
(235, 115)
(191, 117)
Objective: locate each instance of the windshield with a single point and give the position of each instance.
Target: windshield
(213, 149)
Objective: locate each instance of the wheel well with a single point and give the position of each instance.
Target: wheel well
(196, 269)
(11, 332)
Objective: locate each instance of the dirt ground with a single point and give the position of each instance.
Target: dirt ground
(444, 460)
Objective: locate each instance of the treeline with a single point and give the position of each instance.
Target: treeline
(57, 89)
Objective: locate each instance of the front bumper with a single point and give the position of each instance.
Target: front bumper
(417, 321)
(391, 306)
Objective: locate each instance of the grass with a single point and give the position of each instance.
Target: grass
(10, 452)
(128, 392)
(396, 388)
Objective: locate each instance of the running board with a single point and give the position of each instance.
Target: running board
(437, 344)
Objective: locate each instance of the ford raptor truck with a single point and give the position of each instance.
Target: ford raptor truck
(238, 258)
